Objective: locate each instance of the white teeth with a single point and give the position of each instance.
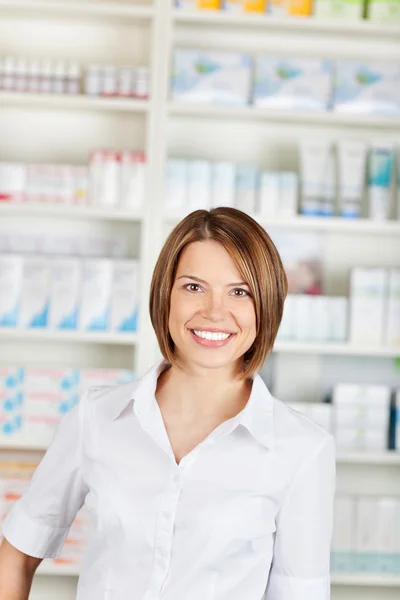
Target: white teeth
(207, 335)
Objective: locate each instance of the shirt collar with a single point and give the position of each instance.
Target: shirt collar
(256, 417)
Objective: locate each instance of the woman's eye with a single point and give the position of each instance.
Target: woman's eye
(245, 292)
(192, 285)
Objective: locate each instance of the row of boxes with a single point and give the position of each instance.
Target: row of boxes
(49, 77)
(371, 314)
(362, 418)
(366, 535)
(374, 10)
(113, 179)
(194, 184)
(69, 293)
(285, 82)
(33, 400)
(314, 318)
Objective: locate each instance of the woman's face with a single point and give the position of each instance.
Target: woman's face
(209, 297)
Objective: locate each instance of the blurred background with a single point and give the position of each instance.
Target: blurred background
(119, 118)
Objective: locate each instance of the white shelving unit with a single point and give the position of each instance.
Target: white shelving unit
(43, 128)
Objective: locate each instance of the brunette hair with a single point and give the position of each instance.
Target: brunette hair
(257, 260)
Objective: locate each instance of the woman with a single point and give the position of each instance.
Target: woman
(200, 484)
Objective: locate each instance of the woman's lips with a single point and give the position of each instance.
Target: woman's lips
(211, 343)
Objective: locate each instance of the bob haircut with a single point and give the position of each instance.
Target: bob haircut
(257, 260)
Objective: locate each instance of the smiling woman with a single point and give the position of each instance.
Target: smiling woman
(200, 483)
(208, 250)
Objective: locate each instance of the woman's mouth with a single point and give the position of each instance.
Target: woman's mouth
(211, 339)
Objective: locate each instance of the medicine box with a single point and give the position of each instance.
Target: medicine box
(366, 535)
(368, 291)
(11, 267)
(176, 187)
(343, 539)
(199, 184)
(125, 296)
(339, 9)
(65, 286)
(246, 188)
(35, 292)
(367, 88)
(223, 184)
(290, 83)
(211, 77)
(392, 326)
(96, 295)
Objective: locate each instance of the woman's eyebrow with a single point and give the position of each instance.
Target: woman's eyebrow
(202, 280)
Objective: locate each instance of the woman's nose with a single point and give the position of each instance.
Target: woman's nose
(214, 306)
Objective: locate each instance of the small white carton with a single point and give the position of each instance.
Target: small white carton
(211, 77)
(13, 178)
(288, 194)
(338, 308)
(223, 184)
(368, 291)
(303, 317)
(11, 268)
(343, 539)
(319, 331)
(367, 538)
(392, 329)
(199, 184)
(65, 291)
(35, 292)
(132, 182)
(293, 83)
(246, 188)
(96, 295)
(125, 296)
(270, 194)
(176, 185)
(388, 535)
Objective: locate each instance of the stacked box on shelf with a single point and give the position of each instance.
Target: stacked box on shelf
(69, 293)
(361, 416)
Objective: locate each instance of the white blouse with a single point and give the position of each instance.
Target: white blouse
(247, 514)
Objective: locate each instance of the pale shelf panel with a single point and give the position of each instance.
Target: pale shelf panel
(78, 102)
(253, 113)
(329, 224)
(81, 337)
(362, 28)
(69, 212)
(342, 349)
(106, 10)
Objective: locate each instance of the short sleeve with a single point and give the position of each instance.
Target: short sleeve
(39, 521)
(301, 562)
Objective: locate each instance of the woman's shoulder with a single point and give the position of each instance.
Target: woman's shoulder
(292, 427)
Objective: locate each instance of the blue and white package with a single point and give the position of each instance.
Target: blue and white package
(65, 286)
(293, 83)
(94, 310)
(10, 289)
(247, 180)
(211, 77)
(35, 292)
(11, 401)
(125, 296)
(367, 88)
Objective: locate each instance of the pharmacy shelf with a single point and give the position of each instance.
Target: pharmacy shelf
(361, 28)
(362, 580)
(48, 567)
(67, 212)
(79, 337)
(72, 102)
(389, 458)
(254, 113)
(326, 224)
(336, 348)
(117, 10)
